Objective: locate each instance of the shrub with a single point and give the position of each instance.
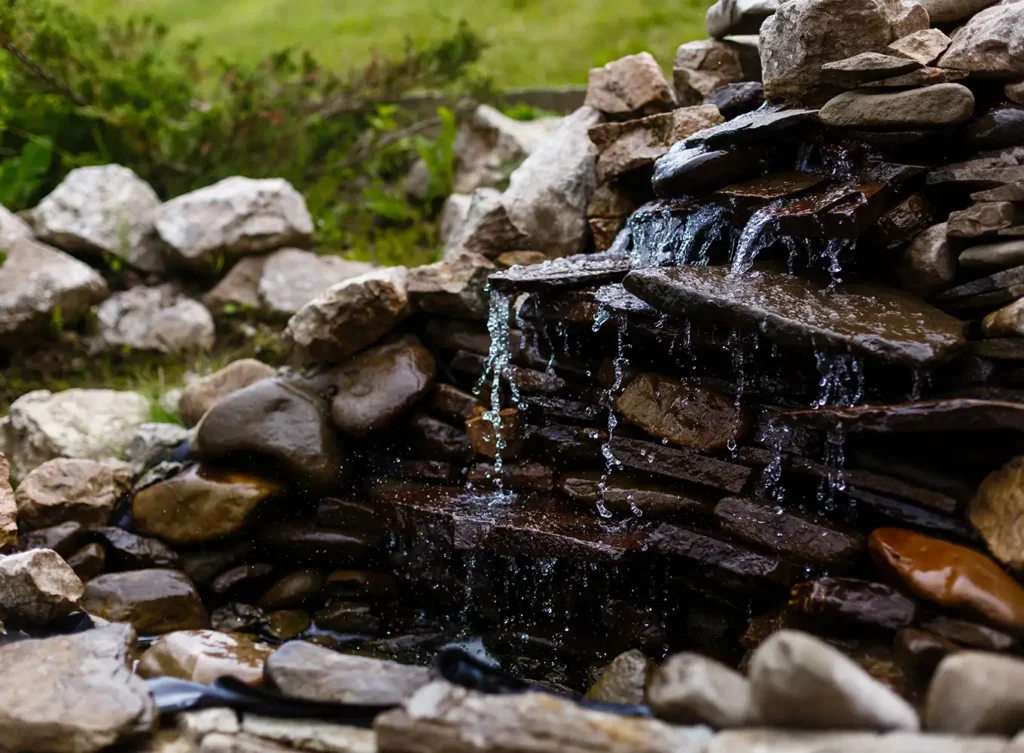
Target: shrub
(79, 93)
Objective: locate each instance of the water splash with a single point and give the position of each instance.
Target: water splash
(611, 463)
(758, 234)
(499, 367)
(841, 380)
(770, 484)
(835, 458)
(920, 380)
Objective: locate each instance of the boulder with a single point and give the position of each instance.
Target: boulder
(693, 689)
(727, 17)
(546, 200)
(350, 315)
(929, 107)
(990, 43)
(636, 144)
(800, 681)
(232, 218)
(153, 443)
(927, 266)
(200, 395)
(1005, 322)
(77, 423)
(292, 278)
(75, 489)
(73, 693)
(199, 505)
(153, 601)
(204, 656)
(457, 720)
(630, 87)
(454, 286)
(276, 419)
(997, 510)
(922, 46)
(35, 282)
(157, 318)
(8, 508)
(303, 670)
(622, 681)
(976, 693)
(37, 587)
(705, 65)
(803, 35)
(102, 209)
(378, 386)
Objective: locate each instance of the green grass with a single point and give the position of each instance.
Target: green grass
(532, 42)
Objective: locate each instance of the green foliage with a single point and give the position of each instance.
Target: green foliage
(79, 93)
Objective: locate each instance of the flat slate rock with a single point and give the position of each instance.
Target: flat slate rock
(582, 270)
(759, 125)
(867, 66)
(998, 281)
(867, 319)
(957, 414)
(684, 465)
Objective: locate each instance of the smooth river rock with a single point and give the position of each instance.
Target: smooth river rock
(37, 587)
(867, 319)
(994, 256)
(200, 395)
(200, 505)
(153, 601)
(997, 512)
(976, 693)
(622, 681)
(929, 107)
(205, 655)
(928, 265)
(304, 670)
(692, 689)
(72, 694)
(950, 575)
(800, 681)
(66, 489)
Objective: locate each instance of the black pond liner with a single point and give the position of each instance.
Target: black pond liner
(458, 667)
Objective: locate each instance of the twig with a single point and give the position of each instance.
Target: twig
(39, 72)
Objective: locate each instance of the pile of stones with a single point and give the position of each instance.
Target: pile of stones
(708, 426)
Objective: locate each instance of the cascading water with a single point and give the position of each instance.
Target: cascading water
(757, 235)
(499, 367)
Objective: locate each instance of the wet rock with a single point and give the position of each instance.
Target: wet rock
(982, 219)
(632, 86)
(486, 433)
(758, 127)
(803, 36)
(73, 693)
(152, 444)
(703, 66)
(63, 539)
(199, 396)
(920, 651)
(236, 617)
(970, 634)
(924, 46)
(379, 385)
(77, 423)
(1006, 322)
(989, 42)
(696, 171)
(430, 437)
(736, 99)
(286, 624)
(202, 504)
(996, 289)
(556, 275)
(103, 209)
(158, 319)
(684, 465)
(976, 693)
(622, 681)
(153, 601)
(293, 589)
(232, 218)
(847, 600)
(790, 533)
(446, 717)
(348, 617)
(928, 265)
(350, 315)
(88, 561)
(71, 489)
(127, 550)
(35, 280)
(452, 404)
(547, 197)
(799, 681)
(204, 656)
(867, 319)
(361, 585)
(989, 172)
(303, 670)
(636, 144)
(243, 581)
(37, 587)
(933, 106)
(686, 415)
(520, 476)
(693, 689)
(949, 575)
(622, 492)
(905, 221)
(291, 278)
(301, 541)
(727, 17)
(867, 66)
(998, 255)
(998, 128)
(276, 419)
(997, 512)
(453, 286)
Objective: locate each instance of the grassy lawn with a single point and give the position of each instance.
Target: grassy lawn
(532, 42)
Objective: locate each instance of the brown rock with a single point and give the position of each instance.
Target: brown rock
(986, 218)
(205, 655)
(453, 286)
(921, 77)
(989, 43)
(924, 46)
(350, 315)
(200, 396)
(306, 542)
(705, 65)
(997, 510)
(303, 670)
(487, 436)
(636, 144)
(629, 87)
(72, 693)
(1015, 92)
(129, 551)
(949, 575)
(450, 718)
(37, 587)
(8, 508)
(88, 561)
(293, 590)
(62, 539)
(379, 385)
(153, 601)
(348, 617)
(687, 415)
(843, 601)
(971, 634)
(201, 504)
(286, 624)
(928, 266)
(622, 492)
(622, 681)
(66, 489)
(1005, 322)
(867, 66)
